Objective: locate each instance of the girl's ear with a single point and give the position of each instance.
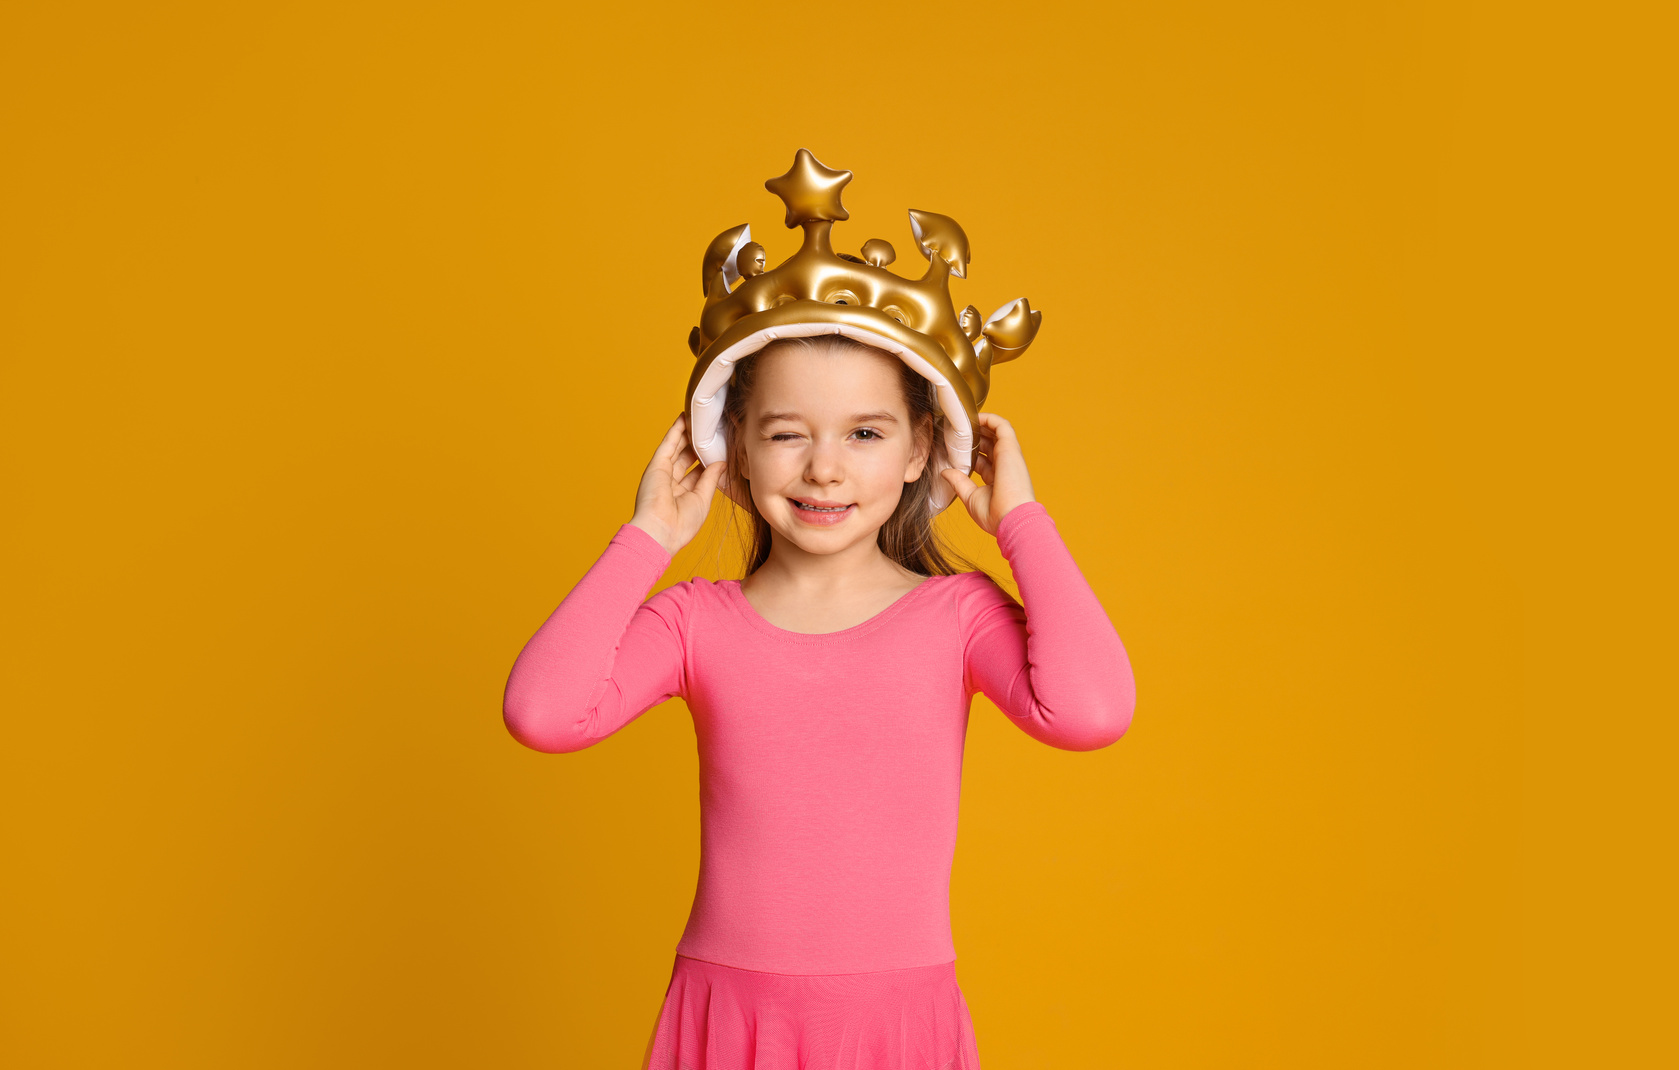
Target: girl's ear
(735, 490)
(923, 450)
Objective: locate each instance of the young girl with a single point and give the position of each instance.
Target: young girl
(830, 692)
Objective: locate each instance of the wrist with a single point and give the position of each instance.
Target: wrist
(1012, 506)
(1008, 528)
(658, 532)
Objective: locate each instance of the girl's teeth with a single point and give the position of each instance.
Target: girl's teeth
(822, 508)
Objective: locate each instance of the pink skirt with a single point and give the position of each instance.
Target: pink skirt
(723, 1018)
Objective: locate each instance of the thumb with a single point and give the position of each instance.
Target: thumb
(709, 478)
(963, 485)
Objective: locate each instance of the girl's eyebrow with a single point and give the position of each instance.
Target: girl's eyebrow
(860, 418)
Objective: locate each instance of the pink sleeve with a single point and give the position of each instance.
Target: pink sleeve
(1056, 666)
(605, 656)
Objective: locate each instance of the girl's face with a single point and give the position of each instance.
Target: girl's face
(828, 444)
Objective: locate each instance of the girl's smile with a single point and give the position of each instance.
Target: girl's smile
(821, 512)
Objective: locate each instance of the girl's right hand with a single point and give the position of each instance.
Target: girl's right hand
(671, 505)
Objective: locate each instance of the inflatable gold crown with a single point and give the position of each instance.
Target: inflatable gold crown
(817, 291)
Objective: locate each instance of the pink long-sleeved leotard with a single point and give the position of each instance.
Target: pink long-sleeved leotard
(830, 764)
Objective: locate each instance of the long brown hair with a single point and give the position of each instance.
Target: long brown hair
(909, 536)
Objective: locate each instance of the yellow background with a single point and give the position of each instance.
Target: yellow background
(336, 339)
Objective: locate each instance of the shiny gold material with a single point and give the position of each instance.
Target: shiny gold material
(721, 252)
(1010, 330)
(750, 261)
(810, 191)
(818, 291)
(878, 252)
(940, 238)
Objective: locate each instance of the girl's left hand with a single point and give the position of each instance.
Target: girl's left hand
(998, 461)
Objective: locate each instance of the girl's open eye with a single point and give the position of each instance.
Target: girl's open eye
(868, 431)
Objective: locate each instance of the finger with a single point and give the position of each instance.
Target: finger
(995, 427)
(691, 480)
(683, 460)
(1005, 448)
(960, 483)
(686, 483)
(668, 444)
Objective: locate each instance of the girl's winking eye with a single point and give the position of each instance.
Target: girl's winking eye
(874, 435)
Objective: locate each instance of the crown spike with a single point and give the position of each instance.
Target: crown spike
(750, 261)
(810, 191)
(720, 256)
(1011, 329)
(941, 237)
(879, 252)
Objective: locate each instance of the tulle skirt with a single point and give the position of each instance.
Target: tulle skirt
(723, 1018)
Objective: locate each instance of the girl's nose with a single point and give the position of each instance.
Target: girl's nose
(826, 463)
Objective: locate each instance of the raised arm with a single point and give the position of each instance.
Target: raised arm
(1054, 665)
(605, 656)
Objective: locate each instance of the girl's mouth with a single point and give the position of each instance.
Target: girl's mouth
(821, 517)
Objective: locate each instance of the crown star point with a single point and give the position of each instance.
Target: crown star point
(810, 191)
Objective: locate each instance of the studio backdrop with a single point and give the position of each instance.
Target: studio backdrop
(338, 337)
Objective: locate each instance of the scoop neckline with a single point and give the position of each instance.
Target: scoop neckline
(756, 619)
